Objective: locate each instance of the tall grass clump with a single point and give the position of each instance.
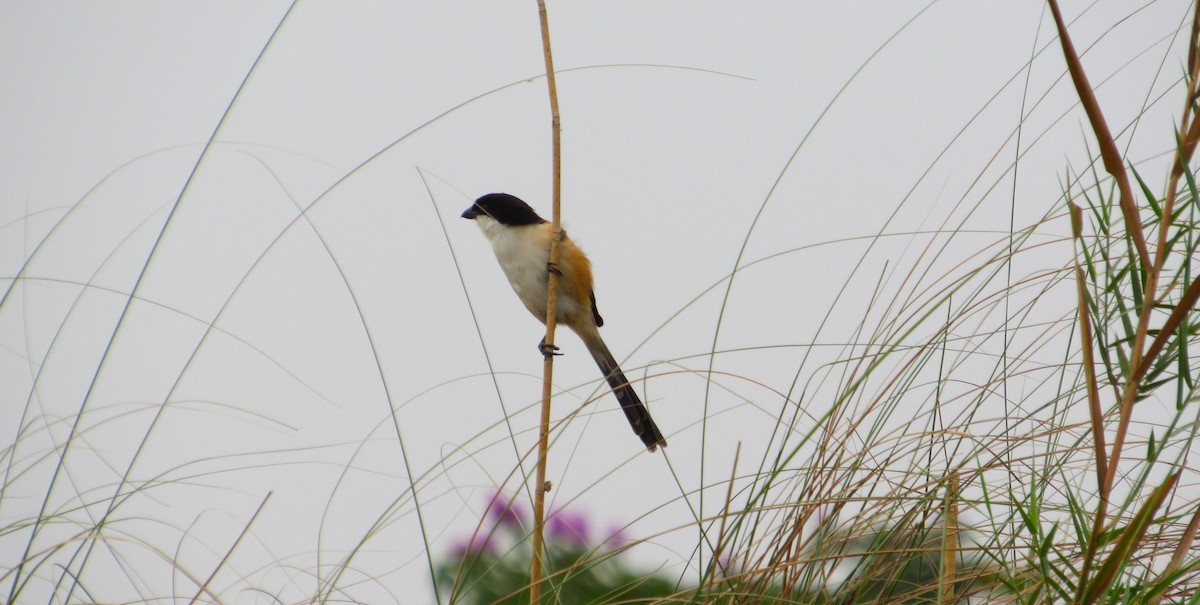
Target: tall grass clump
(947, 469)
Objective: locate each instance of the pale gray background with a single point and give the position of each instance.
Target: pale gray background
(105, 107)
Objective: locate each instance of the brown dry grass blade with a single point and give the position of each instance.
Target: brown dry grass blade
(1109, 153)
(1089, 365)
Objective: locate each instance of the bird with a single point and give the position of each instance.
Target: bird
(521, 241)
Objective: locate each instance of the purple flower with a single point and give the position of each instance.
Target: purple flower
(617, 538)
(568, 527)
(476, 543)
(505, 510)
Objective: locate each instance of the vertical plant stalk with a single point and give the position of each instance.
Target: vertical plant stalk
(1089, 365)
(949, 541)
(1088, 589)
(1115, 166)
(1187, 138)
(1091, 590)
(543, 486)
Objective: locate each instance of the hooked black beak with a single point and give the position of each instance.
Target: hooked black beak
(471, 212)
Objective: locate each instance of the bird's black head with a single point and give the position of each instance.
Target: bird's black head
(505, 209)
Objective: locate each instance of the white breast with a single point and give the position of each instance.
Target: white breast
(523, 253)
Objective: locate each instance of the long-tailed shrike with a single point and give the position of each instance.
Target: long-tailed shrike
(521, 240)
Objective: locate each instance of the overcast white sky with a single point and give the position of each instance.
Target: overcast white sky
(677, 120)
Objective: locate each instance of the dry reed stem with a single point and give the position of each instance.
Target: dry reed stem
(1089, 365)
(1193, 58)
(950, 539)
(1113, 163)
(1115, 166)
(539, 498)
(1139, 361)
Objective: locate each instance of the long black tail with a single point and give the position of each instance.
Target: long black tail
(639, 417)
